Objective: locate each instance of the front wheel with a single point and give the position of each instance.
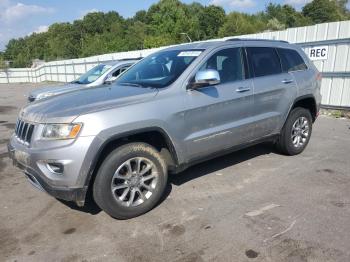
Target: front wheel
(296, 132)
(130, 181)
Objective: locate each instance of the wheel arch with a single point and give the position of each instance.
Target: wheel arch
(308, 102)
(155, 136)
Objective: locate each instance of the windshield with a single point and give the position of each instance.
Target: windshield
(93, 74)
(159, 70)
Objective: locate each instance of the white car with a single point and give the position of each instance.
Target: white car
(98, 75)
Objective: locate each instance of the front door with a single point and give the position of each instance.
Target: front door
(219, 116)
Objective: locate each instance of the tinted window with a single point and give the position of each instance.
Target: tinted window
(264, 61)
(116, 73)
(119, 71)
(291, 60)
(228, 63)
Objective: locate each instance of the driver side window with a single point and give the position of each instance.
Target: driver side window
(229, 64)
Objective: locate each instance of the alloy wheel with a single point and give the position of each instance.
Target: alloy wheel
(300, 132)
(134, 181)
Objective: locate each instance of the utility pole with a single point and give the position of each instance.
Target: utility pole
(187, 36)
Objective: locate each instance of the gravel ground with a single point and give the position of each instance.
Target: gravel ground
(252, 205)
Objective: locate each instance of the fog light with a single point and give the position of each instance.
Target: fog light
(56, 168)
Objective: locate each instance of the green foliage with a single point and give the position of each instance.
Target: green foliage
(274, 24)
(162, 24)
(286, 15)
(241, 24)
(62, 42)
(3, 65)
(322, 11)
(157, 41)
(211, 19)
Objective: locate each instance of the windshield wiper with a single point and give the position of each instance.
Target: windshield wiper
(131, 84)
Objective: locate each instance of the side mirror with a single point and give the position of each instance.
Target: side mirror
(207, 77)
(110, 79)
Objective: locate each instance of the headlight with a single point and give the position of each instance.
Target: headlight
(44, 95)
(61, 131)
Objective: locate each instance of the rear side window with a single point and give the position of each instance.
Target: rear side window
(119, 71)
(116, 73)
(264, 61)
(291, 60)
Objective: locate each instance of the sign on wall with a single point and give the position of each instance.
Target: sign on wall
(318, 53)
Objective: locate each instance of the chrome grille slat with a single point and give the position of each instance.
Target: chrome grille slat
(24, 131)
(20, 129)
(30, 133)
(16, 128)
(26, 134)
(17, 125)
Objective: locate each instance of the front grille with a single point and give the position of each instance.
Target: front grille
(24, 131)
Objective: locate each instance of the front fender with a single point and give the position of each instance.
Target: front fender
(104, 138)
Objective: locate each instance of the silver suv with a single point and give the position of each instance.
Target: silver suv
(174, 108)
(103, 73)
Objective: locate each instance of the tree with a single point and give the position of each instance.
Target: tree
(342, 4)
(241, 24)
(157, 41)
(18, 53)
(94, 23)
(63, 41)
(162, 24)
(286, 15)
(168, 18)
(322, 11)
(4, 67)
(274, 24)
(136, 36)
(211, 19)
(141, 16)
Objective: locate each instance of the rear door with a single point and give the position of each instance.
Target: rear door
(293, 63)
(218, 117)
(274, 90)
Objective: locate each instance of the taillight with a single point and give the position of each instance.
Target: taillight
(319, 77)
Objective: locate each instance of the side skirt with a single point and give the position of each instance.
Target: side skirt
(182, 167)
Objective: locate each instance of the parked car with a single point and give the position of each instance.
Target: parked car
(98, 75)
(174, 108)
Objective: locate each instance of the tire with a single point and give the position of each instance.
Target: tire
(288, 139)
(122, 169)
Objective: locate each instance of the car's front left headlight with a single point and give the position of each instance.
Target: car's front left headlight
(61, 131)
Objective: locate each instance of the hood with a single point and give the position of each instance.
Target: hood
(65, 108)
(56, 90)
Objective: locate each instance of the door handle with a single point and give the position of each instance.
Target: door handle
(287, 81)
(243, 89)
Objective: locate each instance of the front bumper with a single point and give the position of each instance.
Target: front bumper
(64, 186)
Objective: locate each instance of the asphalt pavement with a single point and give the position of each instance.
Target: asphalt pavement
(252, 205)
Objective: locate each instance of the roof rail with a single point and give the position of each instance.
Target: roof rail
(252, 39)
(126, 59)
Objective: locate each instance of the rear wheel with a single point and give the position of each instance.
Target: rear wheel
(130, 181)
(296, 132)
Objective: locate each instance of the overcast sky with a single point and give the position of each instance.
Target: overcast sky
(20, 18)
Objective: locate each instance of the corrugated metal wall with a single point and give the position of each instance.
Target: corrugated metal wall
(65, 70)
(336, 68)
